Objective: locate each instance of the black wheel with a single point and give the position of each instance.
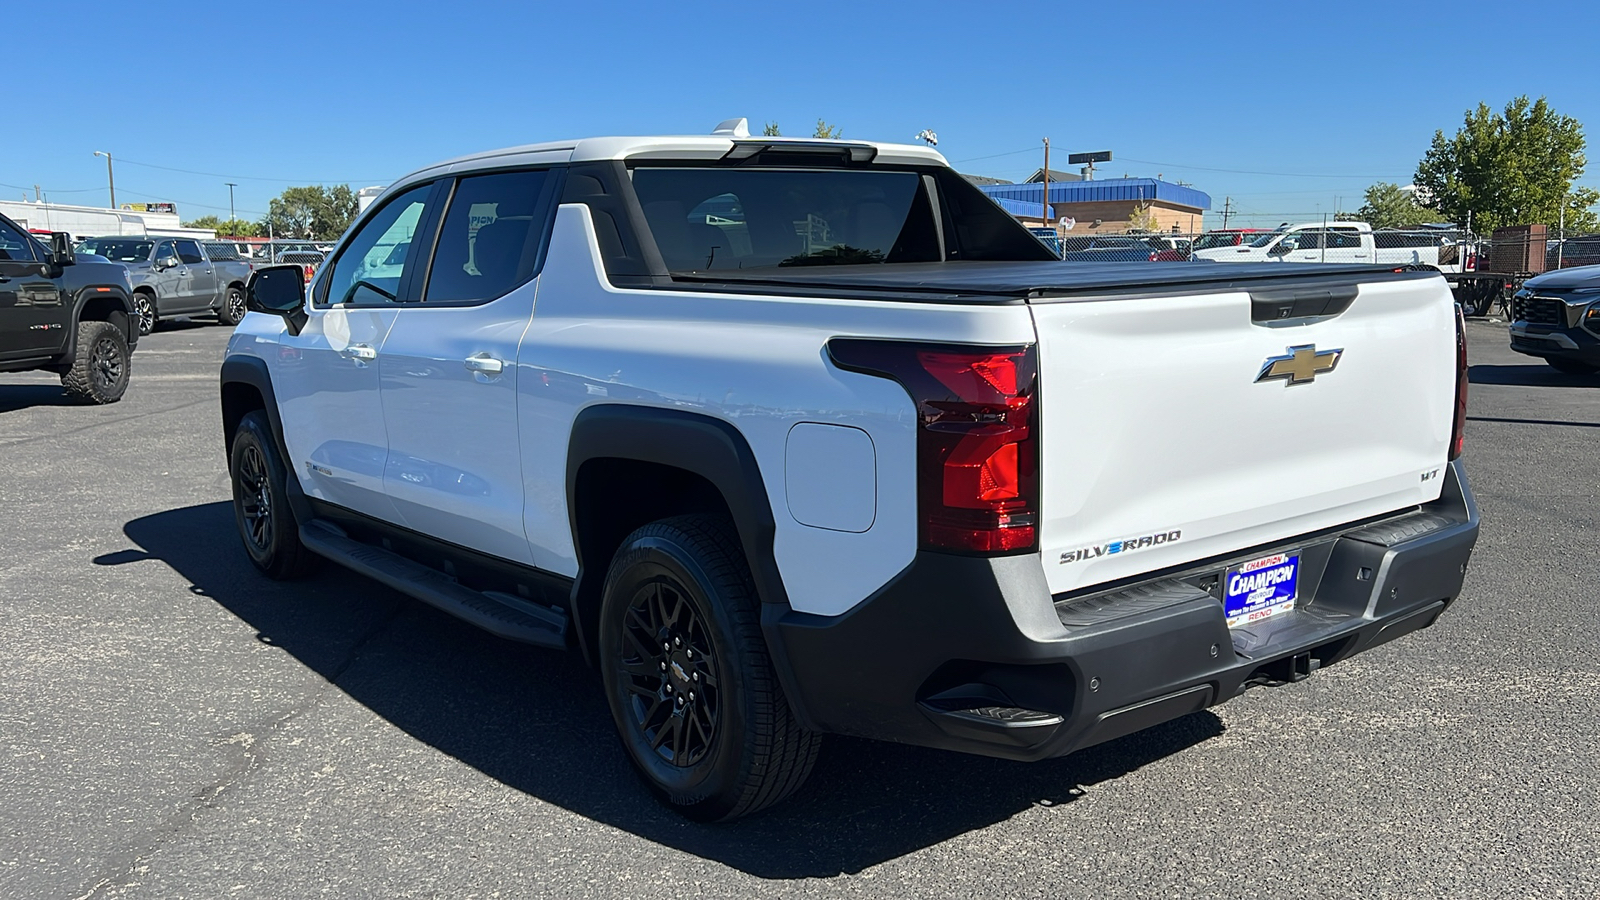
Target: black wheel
(688, 677)
(1572, 366)
(267, 525)
(100, 369)
(145, 308)
(232, 310)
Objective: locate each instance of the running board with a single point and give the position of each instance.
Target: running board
(499, 614)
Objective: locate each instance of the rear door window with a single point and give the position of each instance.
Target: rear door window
(189, 252)
(491, 238)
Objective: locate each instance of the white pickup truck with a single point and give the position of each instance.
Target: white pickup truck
(1336, 242)
(790, 437)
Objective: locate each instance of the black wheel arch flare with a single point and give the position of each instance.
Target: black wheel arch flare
(703, 446)
(251, 373)
(89, 292)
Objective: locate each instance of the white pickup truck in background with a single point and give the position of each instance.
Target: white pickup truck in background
(1339, 242)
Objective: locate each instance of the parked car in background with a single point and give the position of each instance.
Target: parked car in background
(1227, 237)
(1112, 248)
(1174, 248)
(1556, 317)
(308, 261)
(176, 277)
(1572, 252)
(65, 313)
(225, 250)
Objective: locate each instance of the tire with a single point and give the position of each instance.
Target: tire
(1572, 366)
(232, 310)
(686, 669)
(144, 308)
(266, 523)
(101, 367)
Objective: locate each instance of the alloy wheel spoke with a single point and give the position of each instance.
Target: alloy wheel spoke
(662, 733)
(641, 668)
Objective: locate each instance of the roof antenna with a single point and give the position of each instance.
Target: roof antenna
(733, 128)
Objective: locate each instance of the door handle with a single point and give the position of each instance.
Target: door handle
(484, 364)
(361, 352)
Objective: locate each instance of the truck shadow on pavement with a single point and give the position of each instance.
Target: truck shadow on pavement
(14, 397)
(537, 721)
(1529, 376)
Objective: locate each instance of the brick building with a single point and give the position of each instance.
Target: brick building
(1105, 206)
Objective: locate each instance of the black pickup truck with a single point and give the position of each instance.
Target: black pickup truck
(64, 314)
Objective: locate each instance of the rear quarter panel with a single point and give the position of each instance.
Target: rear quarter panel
(758, 362)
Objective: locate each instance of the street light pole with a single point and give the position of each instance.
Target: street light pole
(111, 181)
(231, 185)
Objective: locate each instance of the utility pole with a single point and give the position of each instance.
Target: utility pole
(111, 181)
(231, 185)
(1046, 182)
(1227, 212)
(1561, 235)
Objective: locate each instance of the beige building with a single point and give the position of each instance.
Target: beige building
(1103, 207)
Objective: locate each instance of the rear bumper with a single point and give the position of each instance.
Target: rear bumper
(975, 654)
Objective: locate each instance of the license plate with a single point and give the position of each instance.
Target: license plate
(1261, 588)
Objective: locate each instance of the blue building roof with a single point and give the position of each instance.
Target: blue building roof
(1027, 199)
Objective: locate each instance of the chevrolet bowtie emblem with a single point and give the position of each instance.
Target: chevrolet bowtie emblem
(1300, 365)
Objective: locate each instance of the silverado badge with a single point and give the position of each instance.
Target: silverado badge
(1300, 365)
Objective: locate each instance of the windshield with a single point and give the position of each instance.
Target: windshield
(118, 250)
(1267, 238)
(725, 218)
(1218, 239)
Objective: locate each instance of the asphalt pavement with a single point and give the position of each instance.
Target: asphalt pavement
(173, 725)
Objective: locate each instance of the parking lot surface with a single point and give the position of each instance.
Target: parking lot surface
(173, 725)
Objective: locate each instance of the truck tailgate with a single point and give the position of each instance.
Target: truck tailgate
(1161, 444)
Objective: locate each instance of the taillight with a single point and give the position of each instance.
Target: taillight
(977, 452)
(1459, 427)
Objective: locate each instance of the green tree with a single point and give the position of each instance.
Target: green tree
(1143, 219)
(314, 212)
(224, 227)
(771, 130)
(1511, 168)
(824, 130)
(1390, 206)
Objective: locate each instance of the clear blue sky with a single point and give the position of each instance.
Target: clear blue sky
(1326, 97)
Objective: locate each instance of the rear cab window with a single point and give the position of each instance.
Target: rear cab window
(727, 217)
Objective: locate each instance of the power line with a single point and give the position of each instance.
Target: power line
(997, 156)
(188, 203)
(1150, 162)
(18, 187)
(240, 177)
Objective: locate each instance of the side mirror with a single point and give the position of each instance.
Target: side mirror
(279, 291)
(1280, 249)
(61, 253)
(167, 262)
